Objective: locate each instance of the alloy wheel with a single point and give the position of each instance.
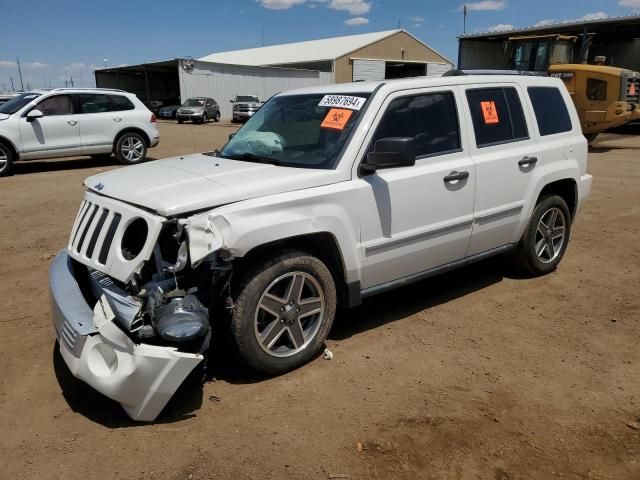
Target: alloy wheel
(550, 235)
(289, 314)
(132, 149)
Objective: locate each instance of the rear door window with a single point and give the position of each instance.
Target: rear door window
(430, 119)
(551, 111)
(93, 103)
(497, 116)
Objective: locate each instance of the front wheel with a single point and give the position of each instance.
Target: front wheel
(546, 237)
(205, 118)
(6, 160)
(131, 148)
(283, 312)
(217, 117)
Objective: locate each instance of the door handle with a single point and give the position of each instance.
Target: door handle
(455, 176)
(73, 123)
(526, 161)
(117, 119)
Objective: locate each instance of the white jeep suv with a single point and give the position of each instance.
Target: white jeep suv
(326, 196)
(66, 122)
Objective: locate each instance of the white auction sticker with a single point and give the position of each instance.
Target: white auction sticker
(354, 103)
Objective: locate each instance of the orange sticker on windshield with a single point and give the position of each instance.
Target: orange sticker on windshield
(632, 90)
(337, 118)
(489, 112)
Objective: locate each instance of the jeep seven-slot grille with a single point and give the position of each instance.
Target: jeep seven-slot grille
(94, 231)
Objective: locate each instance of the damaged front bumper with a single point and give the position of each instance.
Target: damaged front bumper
(142, 378)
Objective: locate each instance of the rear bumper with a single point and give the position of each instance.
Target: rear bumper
(584, 189)
(142, 378)
(154, 142)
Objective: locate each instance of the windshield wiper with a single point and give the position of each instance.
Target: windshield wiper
(250, 157)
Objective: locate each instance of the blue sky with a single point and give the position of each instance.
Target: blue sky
(59, 39)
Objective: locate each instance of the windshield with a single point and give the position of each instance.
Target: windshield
(307, 131)
(246, 98)
(194, 102)
(16, 103)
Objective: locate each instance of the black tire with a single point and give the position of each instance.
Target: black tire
(217, 117)
(205, 118)
(180, 121)
(6, 160)
(246, 316)
(525, 256)
(591, 137)
(122, 149)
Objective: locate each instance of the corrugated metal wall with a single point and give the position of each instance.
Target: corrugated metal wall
(368, 70)
(223, 82)
(437, 69)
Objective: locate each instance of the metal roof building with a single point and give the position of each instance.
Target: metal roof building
(616, 38)
(268, 70)
(368, 56)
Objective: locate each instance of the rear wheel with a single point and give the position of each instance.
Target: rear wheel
(283, 312)
(6, 160)
(217, 117)
(546, 237)
(131, 148)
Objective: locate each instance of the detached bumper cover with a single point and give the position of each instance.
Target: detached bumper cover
(142, 378)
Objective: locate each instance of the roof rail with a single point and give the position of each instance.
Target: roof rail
(62, 89)
(459, 73)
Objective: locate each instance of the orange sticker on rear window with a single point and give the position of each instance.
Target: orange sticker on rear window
(490, 112)
(337, 118)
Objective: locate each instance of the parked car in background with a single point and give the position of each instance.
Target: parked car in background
(199, 109)
(244, 107)
(66, 122)
(168, 111)
(326, 196)
(5, 97)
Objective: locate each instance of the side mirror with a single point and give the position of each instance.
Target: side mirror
(34, 114)
(232, 101)
(390, 152)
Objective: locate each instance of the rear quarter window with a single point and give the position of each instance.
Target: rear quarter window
(497, 116)
(120, 103)
(550, 109)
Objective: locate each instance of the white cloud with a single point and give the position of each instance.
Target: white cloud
(501, 27)
(635, 4)
(7, 64)
(593, 16)
(356, 21)
(35, 66)
(486, 5)
(547, 21)
(280, 4)
(354, 7)
(416, 19)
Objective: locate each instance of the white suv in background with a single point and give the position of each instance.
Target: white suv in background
(67, 122)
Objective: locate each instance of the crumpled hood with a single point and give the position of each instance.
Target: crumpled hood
(196, 182)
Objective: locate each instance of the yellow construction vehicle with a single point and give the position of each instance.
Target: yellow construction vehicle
(605, 97)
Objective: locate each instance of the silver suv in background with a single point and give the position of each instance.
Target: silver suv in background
(245, 106)
(199, 109)
(66, 122)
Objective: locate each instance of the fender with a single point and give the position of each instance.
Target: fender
(242, 226)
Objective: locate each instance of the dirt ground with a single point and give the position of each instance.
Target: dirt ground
(475, 374)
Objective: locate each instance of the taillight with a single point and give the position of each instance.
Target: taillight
(153, 118)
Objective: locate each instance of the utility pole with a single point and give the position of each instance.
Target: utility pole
(66, 83)
(13, 89)
(105, 62)
(262, 30)
(20, 73)
(71, 82)
(464, 10)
